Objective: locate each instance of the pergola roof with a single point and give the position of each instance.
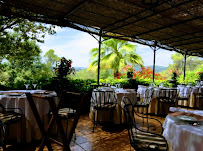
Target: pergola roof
(169, 24)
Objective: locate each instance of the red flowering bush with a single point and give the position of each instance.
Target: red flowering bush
(64, 67)
(147, 73)
(128, 69)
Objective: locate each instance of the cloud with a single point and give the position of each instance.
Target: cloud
(163, 57)
(71, 44)
(75, 45)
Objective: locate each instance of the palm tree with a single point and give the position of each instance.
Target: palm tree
(115, 54)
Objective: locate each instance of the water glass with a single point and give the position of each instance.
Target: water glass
(117, 85)
(161, 84)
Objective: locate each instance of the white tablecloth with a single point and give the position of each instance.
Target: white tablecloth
(118, 115)
(183, 137)
(186, 91)
(153, 107)
(32, 130)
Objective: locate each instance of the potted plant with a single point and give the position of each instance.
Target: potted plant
(62, 69)
(129, 72)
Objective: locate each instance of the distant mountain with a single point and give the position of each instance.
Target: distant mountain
(157, 68)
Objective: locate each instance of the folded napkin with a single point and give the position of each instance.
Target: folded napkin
(198, 117)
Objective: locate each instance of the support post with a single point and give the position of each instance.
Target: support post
(184, 66)
(98, 73)
(154, 62)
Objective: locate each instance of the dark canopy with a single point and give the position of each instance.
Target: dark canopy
(171, 24)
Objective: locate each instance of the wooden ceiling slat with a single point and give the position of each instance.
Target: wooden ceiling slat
(176, 25)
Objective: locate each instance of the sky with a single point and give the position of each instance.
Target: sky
(75, 45)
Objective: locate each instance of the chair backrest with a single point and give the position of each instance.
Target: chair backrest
(146, 96)
(103, 97)
(167, 95)
(184, 92)
(70, 100)
(129, 113)
(134, 131)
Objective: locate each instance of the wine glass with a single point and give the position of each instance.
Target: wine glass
(152, 84)
(26, 85)
(34, 85)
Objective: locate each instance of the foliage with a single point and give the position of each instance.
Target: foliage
(18, 38)
(191, 62)
(85, 74)
(200, 75)
(115, 54)
(77, 85)
(28, 30)
(51, 58)
(147, 73)
(63, 68)
(21, 52)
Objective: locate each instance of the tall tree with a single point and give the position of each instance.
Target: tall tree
(115, 54)
(192, 62)
(15, 31)
(21, 53)
(51, 58)
(27, 29)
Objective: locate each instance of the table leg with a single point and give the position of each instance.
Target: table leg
(39, 122)
(58, 123)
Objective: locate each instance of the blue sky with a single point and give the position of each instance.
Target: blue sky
(75, 45)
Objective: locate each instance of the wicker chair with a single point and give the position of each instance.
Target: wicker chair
(141, 139)
(103, 101)
(9, 116)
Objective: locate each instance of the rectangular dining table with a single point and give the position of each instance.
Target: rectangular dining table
(17, 99)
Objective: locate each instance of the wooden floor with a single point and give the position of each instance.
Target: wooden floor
(86, 140)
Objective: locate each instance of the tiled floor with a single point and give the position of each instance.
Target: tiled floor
(86, 140)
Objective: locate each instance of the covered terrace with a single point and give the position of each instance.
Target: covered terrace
(174, 25)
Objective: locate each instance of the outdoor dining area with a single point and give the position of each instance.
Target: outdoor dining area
(148, 114)
(44, 107)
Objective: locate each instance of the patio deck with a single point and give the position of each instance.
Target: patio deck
(86, 140)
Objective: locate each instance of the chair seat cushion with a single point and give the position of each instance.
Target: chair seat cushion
(66, 112)
(146, 140)
(9, 117)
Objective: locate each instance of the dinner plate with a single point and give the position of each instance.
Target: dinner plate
(186, 118)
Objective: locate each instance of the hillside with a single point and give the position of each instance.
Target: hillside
(157, 68)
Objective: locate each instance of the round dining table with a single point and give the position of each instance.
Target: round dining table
(118, 114)
(182, 135)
